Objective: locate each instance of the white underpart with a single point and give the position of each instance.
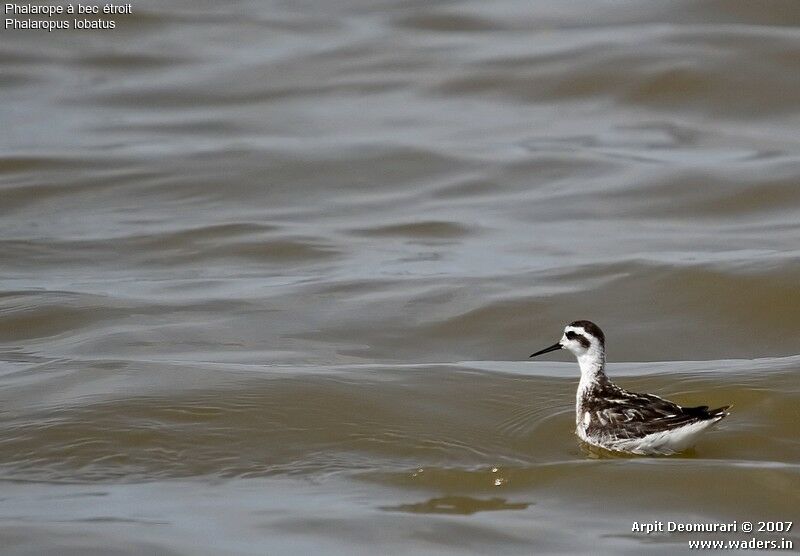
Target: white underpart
(664, 443)
(591, 363)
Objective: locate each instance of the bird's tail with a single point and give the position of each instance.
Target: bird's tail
(720, 412)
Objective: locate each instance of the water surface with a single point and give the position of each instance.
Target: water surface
(270, 273)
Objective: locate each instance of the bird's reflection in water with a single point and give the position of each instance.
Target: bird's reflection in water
(458, 505)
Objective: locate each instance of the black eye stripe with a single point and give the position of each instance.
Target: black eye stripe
(591, 328)
(582, 340)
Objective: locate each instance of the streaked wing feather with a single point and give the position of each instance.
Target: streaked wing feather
(633, 415)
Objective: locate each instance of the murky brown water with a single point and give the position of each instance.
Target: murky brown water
(270, 273)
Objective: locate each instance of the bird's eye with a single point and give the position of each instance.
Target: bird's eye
(570, 335)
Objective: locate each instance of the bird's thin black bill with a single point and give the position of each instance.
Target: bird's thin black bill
(547, 350)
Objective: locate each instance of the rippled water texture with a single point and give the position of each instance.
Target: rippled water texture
(270, 273)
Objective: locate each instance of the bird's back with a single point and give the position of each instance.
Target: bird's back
(615, 419)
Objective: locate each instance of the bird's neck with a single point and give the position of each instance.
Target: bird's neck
(593, 364)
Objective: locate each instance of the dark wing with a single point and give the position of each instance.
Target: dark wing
(632, 415)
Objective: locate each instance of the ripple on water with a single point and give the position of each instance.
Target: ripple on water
(477, 427)
(244, 245)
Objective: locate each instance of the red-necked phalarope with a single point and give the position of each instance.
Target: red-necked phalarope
(612, 418)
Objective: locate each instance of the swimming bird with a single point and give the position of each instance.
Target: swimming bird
(609, 417)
